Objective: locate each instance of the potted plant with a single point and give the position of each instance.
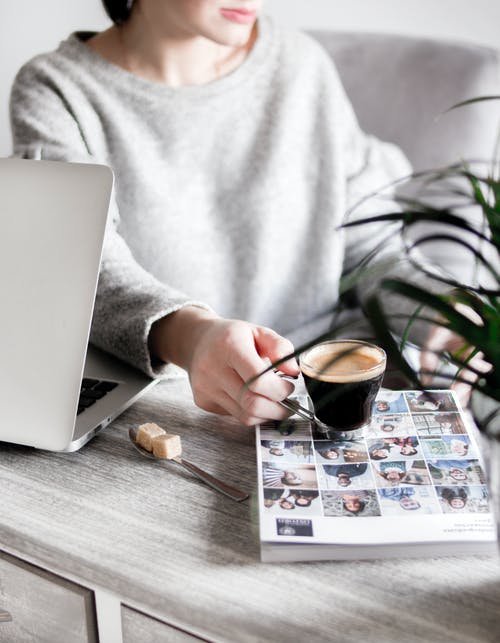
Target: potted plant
(444, 199)
(457, 187)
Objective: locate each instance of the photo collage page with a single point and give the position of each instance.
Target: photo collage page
(416, 457)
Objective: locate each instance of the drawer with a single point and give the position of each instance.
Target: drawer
(137, 626)
(45, 608)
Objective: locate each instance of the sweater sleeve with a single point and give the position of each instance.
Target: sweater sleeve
(372, 168)
(129, 299)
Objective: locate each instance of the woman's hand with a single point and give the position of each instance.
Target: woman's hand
(220, 355)
(441, 340)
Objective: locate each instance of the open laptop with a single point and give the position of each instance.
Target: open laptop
(56, 392)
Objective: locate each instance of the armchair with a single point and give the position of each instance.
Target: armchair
(399, 87)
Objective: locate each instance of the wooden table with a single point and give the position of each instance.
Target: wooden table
(151, 538)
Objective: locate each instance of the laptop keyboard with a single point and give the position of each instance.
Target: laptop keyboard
(93, 390)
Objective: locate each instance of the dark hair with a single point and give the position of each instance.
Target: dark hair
(450, 494)
(118, 10)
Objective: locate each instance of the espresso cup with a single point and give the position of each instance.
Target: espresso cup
(342, 378)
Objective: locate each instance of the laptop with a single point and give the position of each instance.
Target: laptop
(56, 391)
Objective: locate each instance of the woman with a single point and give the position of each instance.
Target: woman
(236, 155)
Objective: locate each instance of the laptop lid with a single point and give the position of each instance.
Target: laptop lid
(52, 223)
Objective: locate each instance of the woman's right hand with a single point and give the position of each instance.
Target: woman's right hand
(220, 355)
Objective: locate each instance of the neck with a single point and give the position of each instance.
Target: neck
(172, 59)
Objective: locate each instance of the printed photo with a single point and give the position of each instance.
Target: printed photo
(401, 448)
(453, 446)
(340, 476)
(291, 429)
(296, 451)
(398, 473)
(300, 502)
(456, 472)
(463, 499)
(408, 501)
(438, 424)
(341, 451)
(421, 401)
(350, 504)
(294, 527)
(390, 424)
(390, 402)
(296, 476)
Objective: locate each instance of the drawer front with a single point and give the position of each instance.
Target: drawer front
(137, 626)
(44, 608)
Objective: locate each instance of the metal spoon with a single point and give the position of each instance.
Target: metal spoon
(218, 485)
(296, 407)
(4, 616)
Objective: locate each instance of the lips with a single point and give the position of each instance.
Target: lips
(242, 16)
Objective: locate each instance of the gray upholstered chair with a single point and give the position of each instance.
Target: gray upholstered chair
(400, 85)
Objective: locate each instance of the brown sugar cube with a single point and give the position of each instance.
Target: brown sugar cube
(167, 446)
(146, 433)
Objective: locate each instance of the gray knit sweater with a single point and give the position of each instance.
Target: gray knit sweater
(228, 194)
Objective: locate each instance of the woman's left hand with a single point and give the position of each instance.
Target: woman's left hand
(442, 340)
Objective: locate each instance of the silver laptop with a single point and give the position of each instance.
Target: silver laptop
(56, 392)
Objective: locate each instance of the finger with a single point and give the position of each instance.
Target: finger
(480, 364)
(275, 347)
(262, 408)
(252, 404)
(439, 341)
(223, 404)
(441, 338)
(248, 365)
(463, 392)
(429, 365)
(238, 401)
(256, 412)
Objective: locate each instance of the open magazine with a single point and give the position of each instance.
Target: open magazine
(413, 485)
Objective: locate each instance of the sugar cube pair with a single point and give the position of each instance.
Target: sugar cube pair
(153, 438)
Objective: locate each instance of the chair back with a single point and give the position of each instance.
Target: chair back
(401, 86)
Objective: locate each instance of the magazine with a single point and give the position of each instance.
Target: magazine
(413, 485)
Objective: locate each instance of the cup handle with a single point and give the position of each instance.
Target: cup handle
(293, 405)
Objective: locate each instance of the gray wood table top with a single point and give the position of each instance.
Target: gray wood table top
(169, 545)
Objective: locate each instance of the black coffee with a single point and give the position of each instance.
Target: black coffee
(343, 379)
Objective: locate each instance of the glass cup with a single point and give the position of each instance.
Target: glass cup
(342, 378)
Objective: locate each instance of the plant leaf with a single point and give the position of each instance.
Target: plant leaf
(471, 101)
(458, 323)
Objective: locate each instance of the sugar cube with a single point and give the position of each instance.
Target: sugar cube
(146, 433)
(167, 446)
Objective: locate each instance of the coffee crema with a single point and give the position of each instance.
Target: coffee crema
(343, 362)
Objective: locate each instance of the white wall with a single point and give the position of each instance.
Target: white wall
(471, 20)
(28, 27)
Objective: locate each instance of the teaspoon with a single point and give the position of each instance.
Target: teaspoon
(218, 485)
